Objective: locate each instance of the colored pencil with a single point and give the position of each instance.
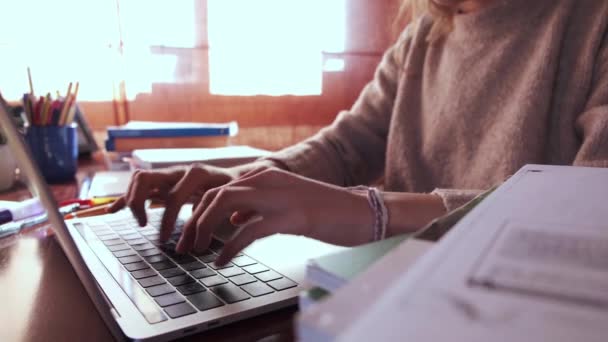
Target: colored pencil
(98, 210)
(72, 110)
(64, 110)
(48, 115)
(26, 107)
(38, 110)
(44, 111)
(29, 78)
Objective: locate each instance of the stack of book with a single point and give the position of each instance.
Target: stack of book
(150, 135)
(346, 283)
(328, 274)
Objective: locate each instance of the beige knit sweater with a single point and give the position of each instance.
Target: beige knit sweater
(517, 82)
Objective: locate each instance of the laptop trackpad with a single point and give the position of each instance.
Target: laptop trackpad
(287, 254)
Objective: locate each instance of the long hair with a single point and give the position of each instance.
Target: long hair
(442, 12)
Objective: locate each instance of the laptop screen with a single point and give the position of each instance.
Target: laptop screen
(30, 174)
(32, 177)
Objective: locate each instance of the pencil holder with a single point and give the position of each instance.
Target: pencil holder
(55, 149)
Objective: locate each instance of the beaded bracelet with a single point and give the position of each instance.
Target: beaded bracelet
(379, 210)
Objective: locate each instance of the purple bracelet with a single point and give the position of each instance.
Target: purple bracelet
(379, 210)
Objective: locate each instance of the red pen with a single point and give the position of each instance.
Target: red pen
(82, 202)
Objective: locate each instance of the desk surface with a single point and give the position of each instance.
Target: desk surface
(42, 299)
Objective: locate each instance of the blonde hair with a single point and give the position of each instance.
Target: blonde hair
(442, 12)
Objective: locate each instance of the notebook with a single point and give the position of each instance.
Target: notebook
(332, 271)
(326, 319)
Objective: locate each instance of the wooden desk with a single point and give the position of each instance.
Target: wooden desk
(41, 298)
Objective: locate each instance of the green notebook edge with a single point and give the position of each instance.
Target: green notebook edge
(349, 263)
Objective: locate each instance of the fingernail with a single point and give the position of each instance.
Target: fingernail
(163, 237)
(221, 260)
(179, 248)
(201, 250)
(237, 219)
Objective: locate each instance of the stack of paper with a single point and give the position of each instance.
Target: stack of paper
(219, 156)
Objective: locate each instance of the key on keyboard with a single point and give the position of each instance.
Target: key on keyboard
(190, 288)
(204, 301)
(179, 310)
(230, 293)
(257, 289)
(151, 281)
(169, 299)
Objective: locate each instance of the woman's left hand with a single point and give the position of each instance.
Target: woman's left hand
(281, 202)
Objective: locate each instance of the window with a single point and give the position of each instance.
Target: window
(230, 47)
(156, 33)
(272, 47)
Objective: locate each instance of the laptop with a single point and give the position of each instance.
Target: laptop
(144, 290)
(530, 263)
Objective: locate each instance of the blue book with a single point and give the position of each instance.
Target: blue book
(145, 134)
(147, 129)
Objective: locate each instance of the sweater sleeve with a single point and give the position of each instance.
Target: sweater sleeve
(592, 124)
(456, 198)
(352, 149)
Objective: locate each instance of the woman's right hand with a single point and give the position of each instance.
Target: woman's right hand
(174, 186)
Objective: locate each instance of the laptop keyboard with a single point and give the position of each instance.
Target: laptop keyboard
(182, 284)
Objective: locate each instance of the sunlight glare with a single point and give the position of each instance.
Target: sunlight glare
(271, 47)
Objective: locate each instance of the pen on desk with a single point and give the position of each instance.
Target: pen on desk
(70, 208)
(85, 186)
(91, 202)
(99, 210)
(21, 210)
(9, 229)
(15, 227)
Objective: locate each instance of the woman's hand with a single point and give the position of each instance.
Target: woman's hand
(175, 187)
(281, 202)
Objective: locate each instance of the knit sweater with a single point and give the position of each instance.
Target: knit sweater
(514, 83)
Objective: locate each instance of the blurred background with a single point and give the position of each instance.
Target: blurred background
(280, 66)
